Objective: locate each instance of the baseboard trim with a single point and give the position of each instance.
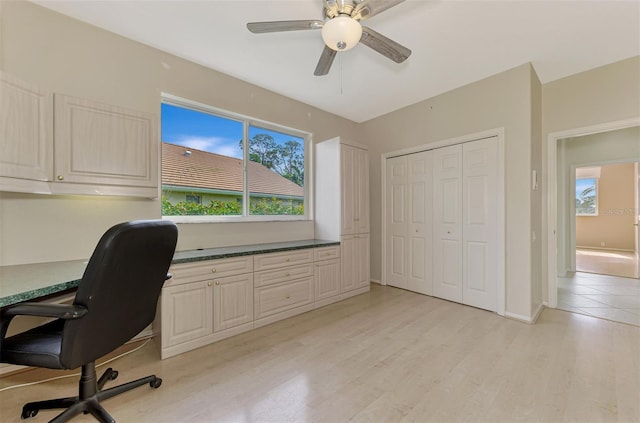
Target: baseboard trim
(538, 312)
(623, 250)
(519, 317)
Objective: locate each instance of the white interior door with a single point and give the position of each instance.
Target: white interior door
(420, 255)
(447, 223)
(479, 229)
(396, 222)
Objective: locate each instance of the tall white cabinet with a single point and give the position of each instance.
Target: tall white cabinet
(442, 223)
(342, 208)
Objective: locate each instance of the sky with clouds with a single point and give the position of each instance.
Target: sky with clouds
(202, 131)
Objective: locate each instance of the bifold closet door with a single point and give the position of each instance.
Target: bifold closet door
(409, 222)
(480, 223)
(447, 223)
(396, 222)
(465, 227)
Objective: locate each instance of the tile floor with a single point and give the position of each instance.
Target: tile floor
(607, 297)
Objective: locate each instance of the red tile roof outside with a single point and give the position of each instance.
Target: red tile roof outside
(202, 169)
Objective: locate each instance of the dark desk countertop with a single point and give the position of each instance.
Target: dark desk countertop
(30, 281)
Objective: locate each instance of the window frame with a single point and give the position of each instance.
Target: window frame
(246, 121)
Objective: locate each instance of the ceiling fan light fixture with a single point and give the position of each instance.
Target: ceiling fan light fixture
(341, 33)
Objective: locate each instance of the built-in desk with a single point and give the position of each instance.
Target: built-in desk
(28, 282)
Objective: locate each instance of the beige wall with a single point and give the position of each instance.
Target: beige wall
(500, 101)
(616, 202)
(607, 94)
(66, 56)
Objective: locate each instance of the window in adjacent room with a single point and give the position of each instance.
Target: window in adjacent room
(218, 165)
(587, 197)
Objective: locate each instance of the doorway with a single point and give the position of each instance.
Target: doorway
(589, 273)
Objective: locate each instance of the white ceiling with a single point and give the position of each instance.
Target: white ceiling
(454, 43)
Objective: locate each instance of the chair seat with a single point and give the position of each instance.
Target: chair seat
(38, 347)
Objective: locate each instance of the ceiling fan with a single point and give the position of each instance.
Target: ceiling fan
(341, 30)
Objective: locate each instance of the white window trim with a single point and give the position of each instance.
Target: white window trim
(247, 121)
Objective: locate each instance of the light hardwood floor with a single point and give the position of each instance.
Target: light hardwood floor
(386, 356)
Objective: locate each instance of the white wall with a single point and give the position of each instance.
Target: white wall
(70, 57)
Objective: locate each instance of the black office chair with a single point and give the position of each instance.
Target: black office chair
(116, 300)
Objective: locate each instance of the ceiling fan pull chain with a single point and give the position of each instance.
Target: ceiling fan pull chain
(340, 59)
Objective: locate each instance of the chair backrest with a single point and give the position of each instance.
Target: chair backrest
(120, 288)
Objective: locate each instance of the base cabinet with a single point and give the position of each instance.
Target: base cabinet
(355, 262)
(211, 300)
(233, 301)
(187, 312)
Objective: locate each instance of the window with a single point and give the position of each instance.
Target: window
(226, 166)
(196, 199)
(587, 197)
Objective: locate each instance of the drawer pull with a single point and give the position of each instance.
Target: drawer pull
(213, 270)
(217, 282)
(288, 259)
(208, 283)
(288, 296)
(288, 274)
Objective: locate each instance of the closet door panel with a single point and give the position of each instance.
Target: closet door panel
(420, 180)
(396, 228)
(447, 223)
(480, 223)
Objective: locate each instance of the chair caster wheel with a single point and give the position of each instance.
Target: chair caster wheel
(113, 375)
(26, 414)
(156, 383)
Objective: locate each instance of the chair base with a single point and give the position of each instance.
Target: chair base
(90, 395)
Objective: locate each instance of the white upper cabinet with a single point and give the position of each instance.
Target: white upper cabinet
(94, 149)
(26, 131)
(102, 144)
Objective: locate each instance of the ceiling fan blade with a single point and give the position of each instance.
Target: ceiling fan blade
(278, 26)
(325, 62)
(370, 8)
(385, 46)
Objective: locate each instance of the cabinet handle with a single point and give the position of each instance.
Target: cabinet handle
(288, 296)
(217, 282)
(213, 270)
(288, 274)
(60, 177)
(208, 283)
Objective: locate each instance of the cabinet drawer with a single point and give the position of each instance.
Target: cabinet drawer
(278, 298)
(285, 274)
(189, 272)
(287, 258)
(327, 253)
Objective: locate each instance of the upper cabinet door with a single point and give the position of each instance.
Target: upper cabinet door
(103, 144)
(361, 176)
(26, 130)
(348, 181)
